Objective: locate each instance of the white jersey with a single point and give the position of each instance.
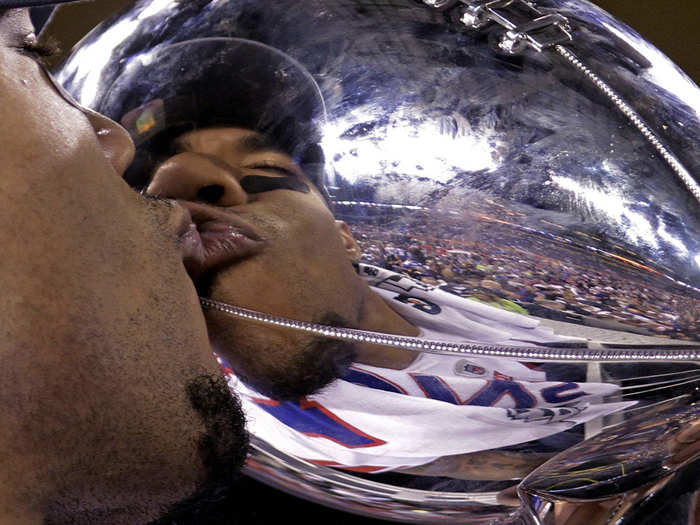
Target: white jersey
(378, 419)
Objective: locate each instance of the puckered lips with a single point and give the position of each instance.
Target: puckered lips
(211, 239)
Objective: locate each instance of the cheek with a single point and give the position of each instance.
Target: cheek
(52, 122)
(310, 224)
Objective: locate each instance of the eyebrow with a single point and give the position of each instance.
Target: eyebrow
(257, 143)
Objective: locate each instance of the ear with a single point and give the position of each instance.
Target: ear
(349, 243)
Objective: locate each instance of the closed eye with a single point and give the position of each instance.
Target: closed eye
(274, 168)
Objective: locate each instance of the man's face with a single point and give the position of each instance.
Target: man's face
(270, 244)
(107, 409)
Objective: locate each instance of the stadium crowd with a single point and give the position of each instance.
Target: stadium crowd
(531, 273)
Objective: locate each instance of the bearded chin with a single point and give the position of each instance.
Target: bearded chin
(223, 448)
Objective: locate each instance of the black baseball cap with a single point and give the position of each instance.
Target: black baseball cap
(206, 82)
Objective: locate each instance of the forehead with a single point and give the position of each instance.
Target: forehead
(228, 139)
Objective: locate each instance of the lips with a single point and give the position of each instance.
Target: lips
(210, 239)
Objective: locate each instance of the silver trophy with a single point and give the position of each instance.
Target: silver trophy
(480, 298)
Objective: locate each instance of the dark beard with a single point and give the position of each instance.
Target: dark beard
(323, 361)
(223, 448)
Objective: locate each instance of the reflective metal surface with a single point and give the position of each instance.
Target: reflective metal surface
(372, 499)
(539, 157)
(623, 458)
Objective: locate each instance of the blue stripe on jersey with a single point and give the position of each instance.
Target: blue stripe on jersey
(358, 377)
(313, 420)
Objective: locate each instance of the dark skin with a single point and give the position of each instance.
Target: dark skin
(103, 336)
(304, 270)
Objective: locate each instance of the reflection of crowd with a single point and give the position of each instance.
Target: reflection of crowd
(532, 274)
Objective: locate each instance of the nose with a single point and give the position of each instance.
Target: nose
(114, 139)
(198, 177)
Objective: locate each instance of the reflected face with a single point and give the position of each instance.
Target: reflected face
(267, 241)
(111, 404)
